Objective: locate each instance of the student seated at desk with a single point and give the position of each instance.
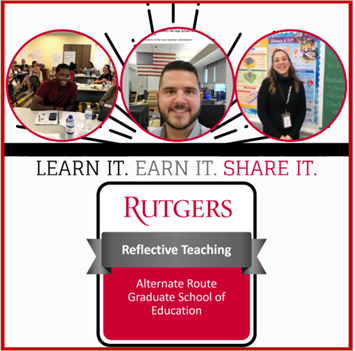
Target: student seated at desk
(11, 76)
(72, 68)
(23, 68)
(34, 71)
(11, 84)
(56, 94)
(89, 68)
(106, 76)
(109, 97)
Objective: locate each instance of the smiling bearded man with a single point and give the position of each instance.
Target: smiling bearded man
(179, 102)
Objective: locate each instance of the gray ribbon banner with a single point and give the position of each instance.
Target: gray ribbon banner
(175, 249)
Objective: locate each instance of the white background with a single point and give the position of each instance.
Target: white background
(303, 299)
(113, 208)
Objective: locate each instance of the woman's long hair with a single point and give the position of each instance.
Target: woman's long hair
(291, 72)
(109, 70)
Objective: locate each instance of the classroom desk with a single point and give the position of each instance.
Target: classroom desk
(81, 78)
(84, 75)
(28, 117)
(152, 105)
(88, 94)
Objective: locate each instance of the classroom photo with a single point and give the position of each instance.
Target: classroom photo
(177, 84)
(62, 85)
(291, 86)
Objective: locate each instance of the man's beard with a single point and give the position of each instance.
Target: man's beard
(192, 119)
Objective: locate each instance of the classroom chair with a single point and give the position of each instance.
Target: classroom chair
(12, 90)
(52, 73)
(35, 82)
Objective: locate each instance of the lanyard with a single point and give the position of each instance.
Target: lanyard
(283, 96)
(288, 96)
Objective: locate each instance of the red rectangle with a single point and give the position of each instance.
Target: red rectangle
(131, 320)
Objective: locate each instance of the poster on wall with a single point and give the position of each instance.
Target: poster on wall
(56, 58)
(23, 55)
(252, 72)
(36, 55)
(69, 56)
(99, 61)
(164, 220)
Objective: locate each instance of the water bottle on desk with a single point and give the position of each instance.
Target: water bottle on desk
(88, 117)
(89, 82)
(70, 127)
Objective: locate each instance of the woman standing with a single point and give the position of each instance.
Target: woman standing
(282, 99)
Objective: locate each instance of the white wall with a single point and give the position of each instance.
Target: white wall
(201, 75)
(229, 82)
(125, 87)
(222, 72)
(153, 82)
(49, 43)
(135, 80)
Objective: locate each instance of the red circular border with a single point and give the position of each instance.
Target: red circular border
(52, 31)
(213, 41)
(285, 31)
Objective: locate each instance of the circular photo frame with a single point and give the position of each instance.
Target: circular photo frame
(177, 84)
(61, 85)
(290, 85)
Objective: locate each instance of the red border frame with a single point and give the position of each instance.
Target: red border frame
(350, 94)
(287, 31)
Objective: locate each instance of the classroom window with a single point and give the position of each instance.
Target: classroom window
(206, 75)
(214, 74)
(220, 87)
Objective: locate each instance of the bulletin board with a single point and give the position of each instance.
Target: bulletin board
(334, 86)
(252, 72)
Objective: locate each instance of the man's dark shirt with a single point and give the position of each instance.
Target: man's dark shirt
(53, 94)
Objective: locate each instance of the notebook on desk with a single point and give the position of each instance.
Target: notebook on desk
(43, 118)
